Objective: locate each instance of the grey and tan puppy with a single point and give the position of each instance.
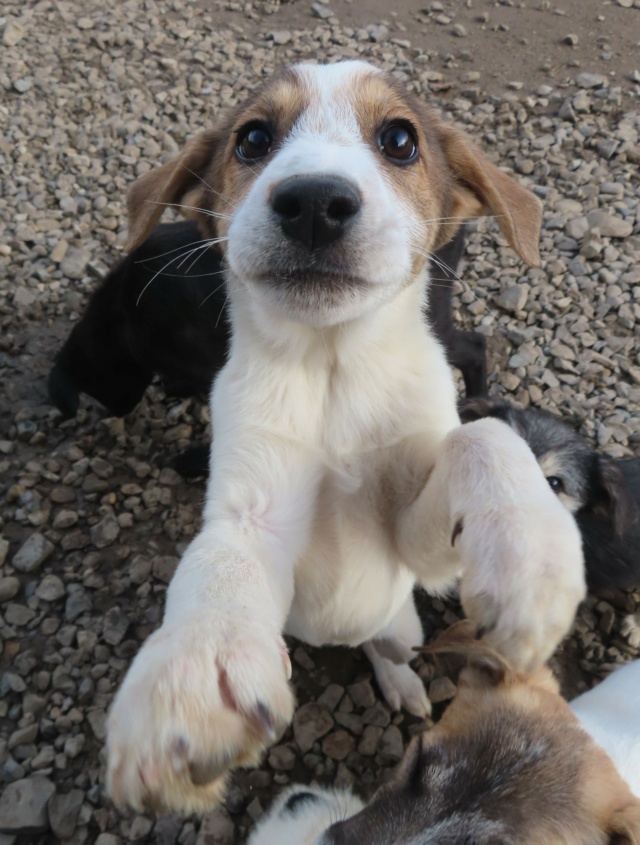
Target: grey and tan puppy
(508, 764)
(602, 492)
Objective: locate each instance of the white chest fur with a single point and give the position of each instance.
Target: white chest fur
(348, 406)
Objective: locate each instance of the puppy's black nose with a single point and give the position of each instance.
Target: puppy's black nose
(314, 210)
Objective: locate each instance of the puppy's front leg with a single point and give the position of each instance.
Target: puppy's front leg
(488, 512)
(209, 690)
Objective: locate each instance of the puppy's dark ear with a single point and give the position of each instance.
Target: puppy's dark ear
(624, 826)
(478, 408)
(167, 185)
(481, 188)
(614, 499)
(489, 667)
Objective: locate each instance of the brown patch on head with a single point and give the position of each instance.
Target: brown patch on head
(451, 180)
(277, 104)
(207, 176)
(425, 184)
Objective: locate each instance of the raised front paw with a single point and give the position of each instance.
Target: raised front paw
(523, 577)
(198, 700)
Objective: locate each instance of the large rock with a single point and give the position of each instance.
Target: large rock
(609, 225)
(4, 549)
(32, 554)
(23, 806)
(63, 813)
(390, 745)
(105, 532)
(591, 80)
(50, 588)
(9, 588)
(14, 32)
(216, 829)
(311, 722)
(74, 263)
(513, 298)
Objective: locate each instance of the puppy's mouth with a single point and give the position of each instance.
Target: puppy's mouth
(312, 279)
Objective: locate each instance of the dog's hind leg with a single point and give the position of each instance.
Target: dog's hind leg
(399, 684)
(390, 653)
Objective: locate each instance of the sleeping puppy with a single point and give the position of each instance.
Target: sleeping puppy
(602, 492)
(162, 310)
(508, 764)
(341, 476)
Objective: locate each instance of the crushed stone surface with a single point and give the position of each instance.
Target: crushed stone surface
(93, 520)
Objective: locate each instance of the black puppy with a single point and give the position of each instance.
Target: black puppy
(466, 350)
(162, 310)
(602, 492)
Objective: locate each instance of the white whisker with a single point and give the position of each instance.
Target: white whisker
(446, 269)
(224, 305)
(207, 186)
(204, 211)
(175, 249)
(161, 271)
(209, 295)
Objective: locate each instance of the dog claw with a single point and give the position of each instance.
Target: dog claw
(286, 662)
(262, 716)
(457, 530)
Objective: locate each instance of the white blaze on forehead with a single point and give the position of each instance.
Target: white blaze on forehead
(327, 138)
(331, 112)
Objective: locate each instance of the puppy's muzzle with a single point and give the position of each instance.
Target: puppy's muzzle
(315, 211)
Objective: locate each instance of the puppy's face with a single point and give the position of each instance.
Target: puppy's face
(508, 764)
(329, 189)
(338, 188)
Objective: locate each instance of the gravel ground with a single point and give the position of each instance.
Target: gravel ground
(93, 520)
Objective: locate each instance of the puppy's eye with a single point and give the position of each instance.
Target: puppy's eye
(398, 142)
(556, 484)
(254, 142)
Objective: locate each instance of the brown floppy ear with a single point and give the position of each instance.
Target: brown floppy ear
(481, 188)
(624, 826)
(167, 185)
(461, 638)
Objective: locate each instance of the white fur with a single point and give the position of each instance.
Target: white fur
(610, 712)
(339, 469)
(305, 824)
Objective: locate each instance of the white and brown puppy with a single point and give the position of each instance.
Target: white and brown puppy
(508, 764)
(341, 476)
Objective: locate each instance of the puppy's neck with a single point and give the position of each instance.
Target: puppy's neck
(388, 328)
